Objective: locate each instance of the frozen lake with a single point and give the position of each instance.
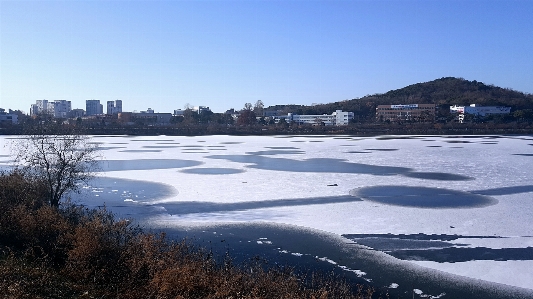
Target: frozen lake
(461, 205)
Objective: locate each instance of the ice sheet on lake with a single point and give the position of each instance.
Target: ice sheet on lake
(268, 179)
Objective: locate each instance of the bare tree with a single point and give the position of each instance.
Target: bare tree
(60, 157)
(259, 107)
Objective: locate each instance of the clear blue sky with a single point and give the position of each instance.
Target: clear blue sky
(222, 54)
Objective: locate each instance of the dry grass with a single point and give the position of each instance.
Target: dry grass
(72, 252)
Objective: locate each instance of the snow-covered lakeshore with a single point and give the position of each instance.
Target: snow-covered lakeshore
(461, 205)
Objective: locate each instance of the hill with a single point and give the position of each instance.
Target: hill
(442, 92)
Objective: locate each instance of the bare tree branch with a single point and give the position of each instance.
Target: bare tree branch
(61, 157)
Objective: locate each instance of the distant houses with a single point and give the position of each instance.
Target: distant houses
(337, 118)
(8, 118)
(409, 112)
(94, 112)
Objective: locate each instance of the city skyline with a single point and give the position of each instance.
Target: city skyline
(223, 54)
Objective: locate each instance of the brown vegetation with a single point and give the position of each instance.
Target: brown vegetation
(72, 252)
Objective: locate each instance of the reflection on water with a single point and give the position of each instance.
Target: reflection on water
(423, 197)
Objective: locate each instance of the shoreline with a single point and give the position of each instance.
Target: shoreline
(356, 130)
(310, 250)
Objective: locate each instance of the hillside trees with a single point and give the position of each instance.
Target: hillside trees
(59, 156)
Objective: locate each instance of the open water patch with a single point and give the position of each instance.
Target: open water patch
(457, 141)
(282, 147)
(194, 152)
(423, 197)
(309, 249)
(382, 149)
(505, 190)
(311, 165)
(153, 140)
(459, 254)
(144, 164)
(159, 146)
(193, 207)
(396, 137)
(212, 171)
(438, 248)
(438, 176)
(125, 197)
(276, 152)
(141, 151)
(106, 148)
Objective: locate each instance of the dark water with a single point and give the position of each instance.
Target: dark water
(423, 197)
(308, 250)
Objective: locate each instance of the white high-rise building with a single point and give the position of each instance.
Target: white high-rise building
(93, 107)
(42, 107)
(62, 108)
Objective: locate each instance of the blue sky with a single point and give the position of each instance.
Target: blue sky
(223, 54)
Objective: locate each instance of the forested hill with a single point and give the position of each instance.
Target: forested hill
(442, 92)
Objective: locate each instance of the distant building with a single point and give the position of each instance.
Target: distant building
(147, 117)
(114, 107)
(93, 107)
(178, 112)
(75, 113)
(62, 108)
(337, 118)
(416, 112)
(58, 108)
(480, 110)
(34, 109)
(201, 109)
(149, 110)
(8, 118)
(42, 107)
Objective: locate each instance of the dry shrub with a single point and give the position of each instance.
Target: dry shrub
(22, 279)
(96, 249)
(16, 188)
(66, 252)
